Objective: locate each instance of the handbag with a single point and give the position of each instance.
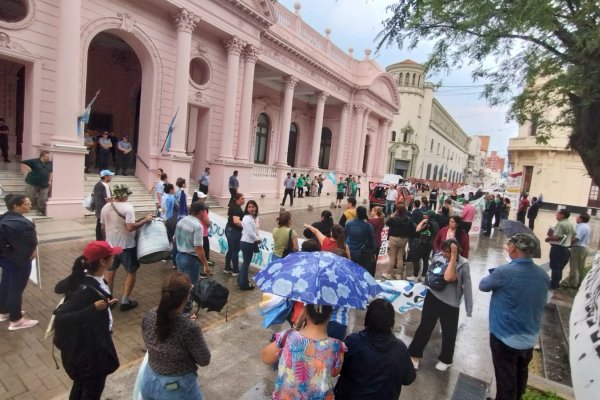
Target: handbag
(290, 246)
(255, 248)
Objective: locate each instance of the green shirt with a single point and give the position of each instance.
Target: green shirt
(564, 229)
(40, 172)
(300, 182)
(340, 187)
(281, 237)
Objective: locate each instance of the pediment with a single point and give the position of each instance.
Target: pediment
(262, 7)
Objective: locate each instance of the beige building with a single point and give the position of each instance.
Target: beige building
(552, 170)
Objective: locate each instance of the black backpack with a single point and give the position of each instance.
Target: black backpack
(209, 294)
(435, 275)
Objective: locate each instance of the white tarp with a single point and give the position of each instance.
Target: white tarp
(392, 179)
(403, 295)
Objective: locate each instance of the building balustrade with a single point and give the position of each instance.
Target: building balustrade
(264, 171)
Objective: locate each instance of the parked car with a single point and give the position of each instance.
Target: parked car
(377, 194)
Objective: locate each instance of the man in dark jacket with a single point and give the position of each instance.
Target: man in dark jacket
(533, 212)
(101, 194)
(377, 364)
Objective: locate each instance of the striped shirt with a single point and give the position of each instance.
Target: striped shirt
(340, 315)
(188, 234)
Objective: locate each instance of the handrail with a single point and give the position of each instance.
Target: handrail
(142, 161)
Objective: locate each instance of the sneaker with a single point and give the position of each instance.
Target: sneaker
(211, 263)
(440, 366)
(23, 323)
(227, 271)
(385, 275)
(6, 317)
(128, 306)
(415, 362)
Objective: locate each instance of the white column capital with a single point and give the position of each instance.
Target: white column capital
(234, 46)
(251, 53)
(360, 108)
(322, 97)
(186, 21)
(290, 82)
(347, 107)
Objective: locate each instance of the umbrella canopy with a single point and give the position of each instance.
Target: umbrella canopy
(319, 278)
(511, 227)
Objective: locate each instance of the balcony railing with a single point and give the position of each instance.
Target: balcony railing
(264, 171)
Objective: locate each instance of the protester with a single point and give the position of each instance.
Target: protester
(119, 225)
(233, 233)
(124, 151)
(377, 363)
(498, 210)
(522, 210)
(159, 189)
(169, 207)
(358, 183)
(289, 184)
(307, 360)
(377, 221)
(452, 231)
(307, 182)
(579, 250)
(285, 239)
(104, 151)
(334, 243)
(433, 195)
(234, 187)
(417, 213)
(324, 225)
(515, 318)
(467, 216)
(401, 228)
(443, 304)
(181, 197)
(300, 186)
(249, 243)
(190, 247)
(443, 218)
(101, 195)
(38, 180)
(18, 247)
(390, 200)
(560, 238)
(426, 231)
(204, 180)
(350, 212)
(533, 212)
(353, 188)
(175, 344)
(320, 180)
(505, 208)
(313, 186)
(84, 322)
(485, 216)
(360, 241)
(340, 192)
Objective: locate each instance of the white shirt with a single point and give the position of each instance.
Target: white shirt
(115, 226)
(392, 195)
(108, 192)
(249, 229)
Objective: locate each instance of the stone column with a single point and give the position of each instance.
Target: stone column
(316, 143)
(339, 158)
(358, 124)
(377, 145)
(363, 139)
(245, 128)
(186, 22)
(234, 49)
(67, 100)
(289, 84)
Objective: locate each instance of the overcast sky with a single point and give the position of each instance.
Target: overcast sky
(356, 23)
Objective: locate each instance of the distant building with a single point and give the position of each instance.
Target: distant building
(426, 142)
(494, 162)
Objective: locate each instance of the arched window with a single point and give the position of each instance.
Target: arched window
(400, 78)
(435, 171)
(292, 143)
(414, 79)
(406, 79)
(262, 137)
(428, 174)
(393, 136)
(366, 156)
(419, 80)
(325, 148)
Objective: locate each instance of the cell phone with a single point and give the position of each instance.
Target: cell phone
(172, 386)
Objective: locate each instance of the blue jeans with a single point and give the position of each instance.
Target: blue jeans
(247, 255)
(190, 265)
(559, 257)
(161, 387)
(389, 207)
(14, 282)
(232, 257)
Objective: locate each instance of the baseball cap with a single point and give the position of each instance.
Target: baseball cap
(524, 242)
(106, 172)
(201, 195)
(99, 249)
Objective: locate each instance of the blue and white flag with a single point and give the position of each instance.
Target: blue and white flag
(85, 117)
(331, 177)
(167, 145)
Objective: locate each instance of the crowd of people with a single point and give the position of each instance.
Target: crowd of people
(429, 235)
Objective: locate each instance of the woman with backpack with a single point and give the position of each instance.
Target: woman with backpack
(83, 323)
(448, 278)
(176, 346)
(285, 239)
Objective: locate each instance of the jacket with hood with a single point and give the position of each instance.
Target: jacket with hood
(375, 368)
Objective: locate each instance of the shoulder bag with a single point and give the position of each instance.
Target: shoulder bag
(290, 246)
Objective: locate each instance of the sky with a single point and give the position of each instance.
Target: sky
(356, 23)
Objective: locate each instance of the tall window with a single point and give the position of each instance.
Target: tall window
(435, 171)
(292, 143)
(366, 156)
(428, 174)
(438, 149)
(393, 136)
(400, 78)
(431, 147)
(325, 148)
(262, 138)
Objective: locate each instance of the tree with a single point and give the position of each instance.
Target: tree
(549, 48)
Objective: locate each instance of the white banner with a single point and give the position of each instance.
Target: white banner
(479, 205)
(403, 295)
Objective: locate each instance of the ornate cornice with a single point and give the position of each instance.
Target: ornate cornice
(251, 53)
(234, 45)
(186, 21)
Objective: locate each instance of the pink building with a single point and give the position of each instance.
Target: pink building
(255, 90)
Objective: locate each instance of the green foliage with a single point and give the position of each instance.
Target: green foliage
(549, 49)
(532, 394)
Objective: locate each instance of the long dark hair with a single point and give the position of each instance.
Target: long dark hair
(175, 290)
(379, 319)
(249, 202)
(361, 213)
(81, 267)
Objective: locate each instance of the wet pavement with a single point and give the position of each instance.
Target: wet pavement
(27, 370)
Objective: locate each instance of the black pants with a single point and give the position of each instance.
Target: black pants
(103, 159)
(422, 254)
(466, 226)
(531, 223)
(99, 235)
(206, 247)
(521, 217)
(233, 192)
(497, 218)
(87, 389)
(288, 192)
(559, 257)
(13, 284)
(122, 162)
(4, 145)
(510, 367)
(320, 189)
(204, 189)
(434, 309)
(300, 191)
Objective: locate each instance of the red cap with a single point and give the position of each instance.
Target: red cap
(99, 249)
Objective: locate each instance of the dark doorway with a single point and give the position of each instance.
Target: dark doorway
(292, 143)
(20, 109)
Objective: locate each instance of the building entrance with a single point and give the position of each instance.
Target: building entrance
(12, 101)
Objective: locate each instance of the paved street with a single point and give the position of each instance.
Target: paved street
(28, 371)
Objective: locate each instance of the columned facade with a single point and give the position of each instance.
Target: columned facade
(316, 142)
(341, 147)
(234, 48)
(289, 84)
(245, 128)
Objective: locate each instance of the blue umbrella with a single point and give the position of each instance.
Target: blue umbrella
(319, 278)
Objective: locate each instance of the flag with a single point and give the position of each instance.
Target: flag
(331, 177)
(85, 117)
(167, 144)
